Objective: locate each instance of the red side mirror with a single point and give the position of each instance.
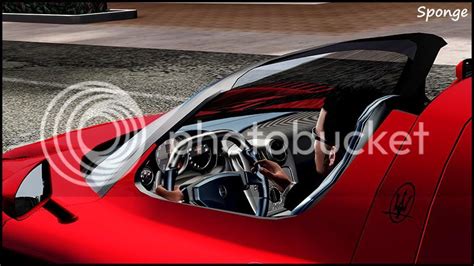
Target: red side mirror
(464, 69)
(21, 197)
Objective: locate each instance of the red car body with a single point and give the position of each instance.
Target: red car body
(352, 223)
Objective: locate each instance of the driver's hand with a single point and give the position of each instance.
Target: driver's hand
(273, 171)
(176, 195)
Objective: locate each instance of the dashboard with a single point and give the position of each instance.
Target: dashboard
(199, 158)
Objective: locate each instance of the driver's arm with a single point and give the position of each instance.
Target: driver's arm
(176, 195)
(273, 171)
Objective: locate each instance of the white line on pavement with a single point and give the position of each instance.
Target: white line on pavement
(62, 86)
(33, 82)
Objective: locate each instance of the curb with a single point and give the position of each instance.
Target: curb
(112, 14)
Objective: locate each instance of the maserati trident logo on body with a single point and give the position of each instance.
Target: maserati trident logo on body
(401, 203)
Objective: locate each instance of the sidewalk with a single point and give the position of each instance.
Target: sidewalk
(254, 29)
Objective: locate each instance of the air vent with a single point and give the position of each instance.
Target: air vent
(276, 152)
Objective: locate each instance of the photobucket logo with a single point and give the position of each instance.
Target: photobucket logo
(82, 105)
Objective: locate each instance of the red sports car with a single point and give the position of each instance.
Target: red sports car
(90, 196)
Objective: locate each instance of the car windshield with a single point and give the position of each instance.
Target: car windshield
(292, 85)
(303, 83)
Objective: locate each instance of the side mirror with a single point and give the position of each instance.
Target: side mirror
(464, 69)
(21, 197)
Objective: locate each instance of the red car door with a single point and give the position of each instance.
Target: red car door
(398, 215)
(447, 235)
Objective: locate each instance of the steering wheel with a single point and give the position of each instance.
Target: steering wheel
(224, 190)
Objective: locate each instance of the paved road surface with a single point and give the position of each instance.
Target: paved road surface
(254, 29)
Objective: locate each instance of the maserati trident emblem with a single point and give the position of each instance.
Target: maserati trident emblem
(401, 203)
(223, 191)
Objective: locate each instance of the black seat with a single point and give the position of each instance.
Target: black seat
(367, 123)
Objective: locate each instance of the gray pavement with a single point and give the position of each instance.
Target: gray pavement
(33, 73)
(255, 29)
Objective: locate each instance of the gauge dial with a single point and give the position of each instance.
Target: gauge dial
(200, 157)
(147, 177)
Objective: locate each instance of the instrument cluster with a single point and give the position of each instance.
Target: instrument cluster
(200, 157)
